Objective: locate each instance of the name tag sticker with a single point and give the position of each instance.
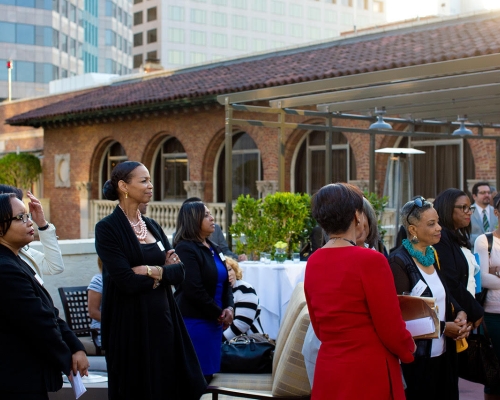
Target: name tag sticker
(222, 256)
(419, 288)
(160, 245)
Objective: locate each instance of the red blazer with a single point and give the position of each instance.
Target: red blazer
(355, 314)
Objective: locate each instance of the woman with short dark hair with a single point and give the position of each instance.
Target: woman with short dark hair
(30, 366)
(353, 307)
(204, 297)
(433, 374)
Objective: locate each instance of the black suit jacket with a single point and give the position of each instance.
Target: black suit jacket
(36, 345)
(195, 296)
(455, 271)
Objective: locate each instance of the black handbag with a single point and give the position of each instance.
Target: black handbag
(244, 354)
(479, 362)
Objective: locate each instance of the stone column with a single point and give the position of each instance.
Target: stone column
(85, 217)
(267, 187)
(194, 188)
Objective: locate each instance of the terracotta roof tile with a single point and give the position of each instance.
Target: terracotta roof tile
(439, 41)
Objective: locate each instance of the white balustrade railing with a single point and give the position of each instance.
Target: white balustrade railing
(165, 213)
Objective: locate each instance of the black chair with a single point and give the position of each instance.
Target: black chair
(75, 305)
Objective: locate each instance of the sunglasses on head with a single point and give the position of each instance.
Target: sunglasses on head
(418, 202)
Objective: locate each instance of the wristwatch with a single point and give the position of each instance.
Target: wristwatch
(150, 272)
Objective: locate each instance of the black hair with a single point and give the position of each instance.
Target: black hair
(12, 189)
(496, 201)
(191, 200)
(444, 204)
(476, 186)
(121, 172)
(373, 236)
(189, 222)
(6, 211)
(334, 206)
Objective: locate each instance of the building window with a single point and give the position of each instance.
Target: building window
(313, 33)
(138, 39)
(25, 34)
(151, 36)
(219, 19)
(297, 30)
(247, 167)
(170, 170)
(137, 1)
(25, 71)
(363, 4)
(242, 4)
(137, 61)
(278, 7)
(259, 44)
(309, 169)
(72, 13)
(137, 18)
(314, 14)
(198, 38)
(330, 16)
(64, 43)
(197, 58)
(347, 3)
(198, 16)
(72, 47)
(152, 55)
(176, 13)
(175, 35)
(152, 14)
(175, 57)
(239, 22)
(259, 25)
(259, 5)
(239, 43)
(114, 155)
(219, 2)
(278, 27)
(8, 30)
(347, 19)
(219, 40)
(296, 10)
(378, 6)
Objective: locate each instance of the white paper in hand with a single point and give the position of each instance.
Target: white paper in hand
(77, 384)
(420, 326)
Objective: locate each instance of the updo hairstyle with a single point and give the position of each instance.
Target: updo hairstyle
(121, 172)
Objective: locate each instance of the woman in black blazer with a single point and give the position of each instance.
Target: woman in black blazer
(457, 262)
(36, 344)
(205, 297)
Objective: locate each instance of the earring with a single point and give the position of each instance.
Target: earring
(414, 239)
(126, 195)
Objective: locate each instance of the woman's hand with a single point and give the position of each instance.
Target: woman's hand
(80, 363)
(36, 210)
(477, 323)
(226, 317)
(172, 258)
(143, 270)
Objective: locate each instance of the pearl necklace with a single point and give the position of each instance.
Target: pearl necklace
(142, 232)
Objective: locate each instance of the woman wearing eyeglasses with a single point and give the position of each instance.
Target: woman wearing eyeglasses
(458, 264)
(433, 374)
(29, 368)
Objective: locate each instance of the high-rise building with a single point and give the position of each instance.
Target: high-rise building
(185, 32)
(54, 39)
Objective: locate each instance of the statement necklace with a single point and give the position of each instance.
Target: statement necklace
(334, 239)
(139, 228)
(426, 260)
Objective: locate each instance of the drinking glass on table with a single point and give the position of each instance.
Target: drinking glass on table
(296, 257)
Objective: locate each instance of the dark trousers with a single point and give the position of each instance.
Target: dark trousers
(492, 322)
(23, 396)
(427, 378)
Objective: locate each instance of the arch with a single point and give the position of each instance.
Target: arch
(103, 162)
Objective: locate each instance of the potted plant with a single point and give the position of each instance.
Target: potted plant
(280, 253)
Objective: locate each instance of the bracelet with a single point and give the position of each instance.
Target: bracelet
(43, 228)
(156, 284)
(149, 271)
(230, 308)
(160, 271)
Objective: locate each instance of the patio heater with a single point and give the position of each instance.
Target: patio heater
(398, 179)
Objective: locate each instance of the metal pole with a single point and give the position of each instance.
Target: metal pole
(229, 170)
(497, 163)
(371, 183)
(281, 152)
(328, 155)
(9, 68)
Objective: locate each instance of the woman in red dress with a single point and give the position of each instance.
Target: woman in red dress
(353, 306)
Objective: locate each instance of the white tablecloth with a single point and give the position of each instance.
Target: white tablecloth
(274, 284)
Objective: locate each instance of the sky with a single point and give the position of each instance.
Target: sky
(398, 10)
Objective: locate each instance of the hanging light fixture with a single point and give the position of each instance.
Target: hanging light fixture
(380, 123)
(462, 131)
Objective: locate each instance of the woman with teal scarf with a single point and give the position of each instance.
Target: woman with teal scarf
(433, 373)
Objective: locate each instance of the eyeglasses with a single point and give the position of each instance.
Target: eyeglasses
(484, 192)
(418, 202)
(465, 208)
(20, 217)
